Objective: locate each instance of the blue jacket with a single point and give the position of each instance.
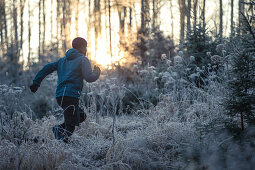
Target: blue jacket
(71, 70)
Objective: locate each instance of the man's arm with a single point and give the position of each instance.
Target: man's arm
(87, 73)
(46, 70)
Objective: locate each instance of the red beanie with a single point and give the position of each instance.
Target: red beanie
(79, 43)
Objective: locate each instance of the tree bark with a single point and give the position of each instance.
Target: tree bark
(51, 21)
(77, 19)
(142, 16)
(188, 18)
(44, 27)
(39, 19)
(15, 24)
(1, 26)
(172, 19)
(89, 23)
(22, 3)
(145, 14)
(130, 16)
(240, 17)
(110, 27)
(13, 51)
(203, 14)
(221, 20)
(59, 25)
(182, 20)
(122, 16)
(195, 15)
(232, 18)
(97, 22)
(29, 34)
(155, 12)
(5, 26)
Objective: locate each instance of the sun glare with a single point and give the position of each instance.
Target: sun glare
(102, 54)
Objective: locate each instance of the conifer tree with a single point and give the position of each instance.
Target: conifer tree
(240, 101)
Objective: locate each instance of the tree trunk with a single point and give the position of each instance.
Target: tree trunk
(22, 3)
(122, 16)
(110, 27)
(5, 26)
(15, 24)
(145, 14)
(142, 16)
(13, 52)
(130, 16)
(68, 12)
(221, 20)
(182, 20)
(68, 17)
(44, 27)
(29, 34)
(97, 22)
(232, 18)
(77, 19)
(195, 15)
(89, 23)
(203, 14)
(240, 17)
(51, 21)
(188, 18)
(1, 26)
(59, 25)
(39, 19)
(155, 12)
(172, 19)
(106, 20)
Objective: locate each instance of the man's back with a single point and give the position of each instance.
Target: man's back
(70, 78)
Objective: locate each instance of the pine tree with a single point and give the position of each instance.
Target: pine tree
(240, 101)
(241, 97)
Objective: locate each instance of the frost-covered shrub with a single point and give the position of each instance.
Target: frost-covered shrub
(198, 43)
(148, 48)
(139, 93)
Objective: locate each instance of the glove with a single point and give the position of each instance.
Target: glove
(97, 70)
(34, 87)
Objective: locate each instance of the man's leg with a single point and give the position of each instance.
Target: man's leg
(71, 116)
(82, 114)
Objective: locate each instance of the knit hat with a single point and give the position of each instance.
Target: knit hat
(79, 43)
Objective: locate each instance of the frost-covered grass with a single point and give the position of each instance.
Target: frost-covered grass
(184, 130)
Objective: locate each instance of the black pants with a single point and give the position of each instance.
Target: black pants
(73, 114)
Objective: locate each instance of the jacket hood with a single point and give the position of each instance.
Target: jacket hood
(72, 54)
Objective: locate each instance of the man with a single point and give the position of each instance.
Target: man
(71, 71)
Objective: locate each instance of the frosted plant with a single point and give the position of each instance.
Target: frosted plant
(192, 59)
(216, 59)
(178, 60)
(220, 48)
(209, 54)
(135, 66)
(163, 56)
(180, 53)
(169, 62)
